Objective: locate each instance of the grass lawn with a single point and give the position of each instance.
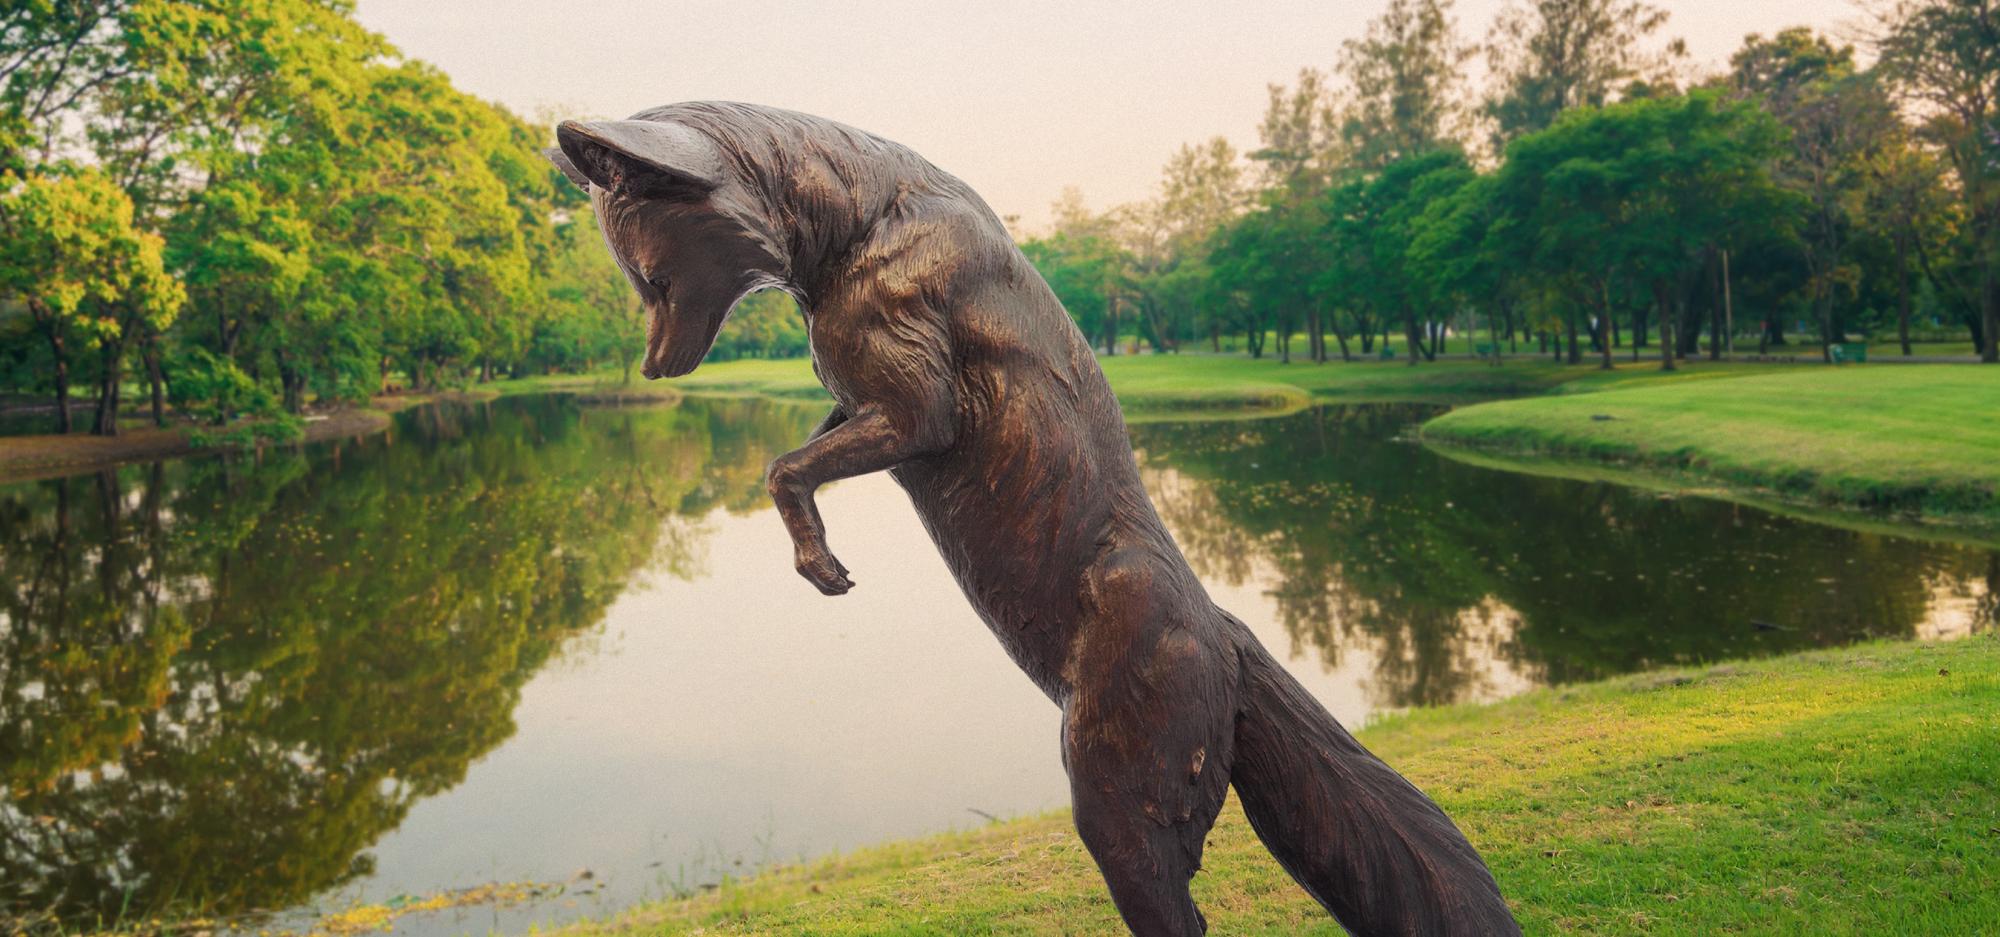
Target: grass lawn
(1833, 792)
(1920, 439)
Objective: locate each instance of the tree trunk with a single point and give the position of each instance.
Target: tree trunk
(1715, 334)
(1493, 333)
(1903, 292)
(1990, 301)
(158, 382)
(1715, 317)
(1604, 317)
(62, 377)
(1728, 310)
(1666, 328)
(1569, 327)
(1412, 338)
(108, 388)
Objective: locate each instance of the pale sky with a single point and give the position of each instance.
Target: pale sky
(1020, 99)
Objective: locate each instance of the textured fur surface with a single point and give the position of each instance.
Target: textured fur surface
(955, 369)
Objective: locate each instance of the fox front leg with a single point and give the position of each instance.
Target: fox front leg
(869, 440)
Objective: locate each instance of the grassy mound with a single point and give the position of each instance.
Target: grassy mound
(1920, 440)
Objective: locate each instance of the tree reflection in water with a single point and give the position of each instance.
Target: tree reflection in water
(1446, 572)
(222, 679)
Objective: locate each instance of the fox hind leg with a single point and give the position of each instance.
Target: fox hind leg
(1146, 840)
(1148, 755)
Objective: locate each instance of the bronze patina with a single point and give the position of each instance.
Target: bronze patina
(955, 368)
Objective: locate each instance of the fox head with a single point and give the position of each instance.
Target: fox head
(690, 236)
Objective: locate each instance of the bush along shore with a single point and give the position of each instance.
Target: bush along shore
(1844, 791)
(1916, 441)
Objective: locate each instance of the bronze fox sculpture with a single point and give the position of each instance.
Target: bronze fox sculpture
(955, 368)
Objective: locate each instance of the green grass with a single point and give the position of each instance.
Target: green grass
(1917, 439)
(1833, 792)
(1193, 382)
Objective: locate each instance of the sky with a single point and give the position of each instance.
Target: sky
(1019, 99)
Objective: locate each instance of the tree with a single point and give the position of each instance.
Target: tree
(1257, 275)
(1839, 121)
(1912, 207)
(1167, 237)
(1453, 247)
(70, 253)
(1083, 263)
(1406, 78)
(1549, 56)
(1370, 223)
(1944, 56)
(1641, 195)
(337, 214)
(1299, 135)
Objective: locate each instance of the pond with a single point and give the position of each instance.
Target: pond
(536, 641)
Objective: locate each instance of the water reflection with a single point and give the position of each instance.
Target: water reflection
(235, 684)
(1434, 568)
(222, 680)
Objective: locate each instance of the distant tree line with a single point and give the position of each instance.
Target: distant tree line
(1596, 195)
(252, 206)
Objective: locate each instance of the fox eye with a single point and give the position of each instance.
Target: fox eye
(660, 282)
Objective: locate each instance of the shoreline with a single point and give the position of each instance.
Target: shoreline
(33, 458)
(1973, 530)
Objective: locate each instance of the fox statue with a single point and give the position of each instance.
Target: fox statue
(954, 367)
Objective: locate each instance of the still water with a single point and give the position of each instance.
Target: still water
(533, 641)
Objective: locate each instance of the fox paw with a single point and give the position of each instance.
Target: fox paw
(823, 571)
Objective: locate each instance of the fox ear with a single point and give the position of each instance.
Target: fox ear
(557, 156)
(641, 158)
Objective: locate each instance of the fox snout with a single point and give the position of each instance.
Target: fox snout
(677, 338)
(660, 346)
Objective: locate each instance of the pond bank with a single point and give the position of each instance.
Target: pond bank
(1915, 441)
(27, 458)
(1840, 791)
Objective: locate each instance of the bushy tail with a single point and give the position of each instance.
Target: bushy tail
(1362, 840)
